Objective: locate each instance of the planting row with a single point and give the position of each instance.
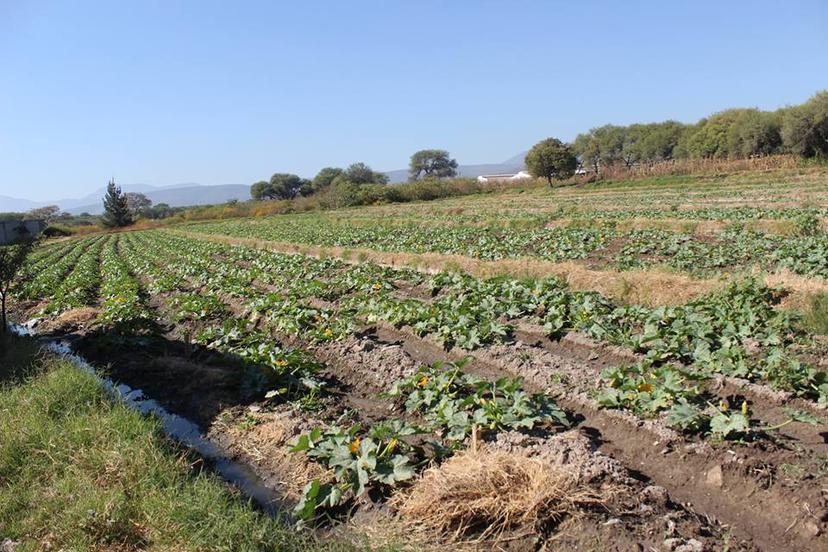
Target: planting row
(806, 254)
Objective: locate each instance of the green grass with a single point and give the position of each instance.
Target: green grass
(81, 472)
(815, 317)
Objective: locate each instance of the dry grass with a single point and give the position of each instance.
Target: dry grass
(492, 497)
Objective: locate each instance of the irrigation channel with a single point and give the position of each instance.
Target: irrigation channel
(178, 428)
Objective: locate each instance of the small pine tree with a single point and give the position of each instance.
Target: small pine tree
(116, 209)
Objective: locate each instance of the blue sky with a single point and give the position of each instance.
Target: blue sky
(230, 92)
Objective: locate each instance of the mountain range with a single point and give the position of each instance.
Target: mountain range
(190, 193)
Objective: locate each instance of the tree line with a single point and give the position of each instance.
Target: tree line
(731, 134)
(358, 179)
(734, 133)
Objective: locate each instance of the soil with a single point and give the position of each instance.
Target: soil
(670, 492)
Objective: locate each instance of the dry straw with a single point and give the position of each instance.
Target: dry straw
(491, 497)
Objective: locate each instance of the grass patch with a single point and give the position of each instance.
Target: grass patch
(81, 472)
(815, 316)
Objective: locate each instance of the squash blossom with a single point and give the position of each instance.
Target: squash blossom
(354, 447)
(281, 362)
(328, 332)
(423, 382)
(723, 406)
(744, 408)
(377, 286)
(645, 387)
(392, 444)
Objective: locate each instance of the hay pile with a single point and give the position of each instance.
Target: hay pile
(494, 496)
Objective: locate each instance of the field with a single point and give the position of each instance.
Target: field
(598, 367)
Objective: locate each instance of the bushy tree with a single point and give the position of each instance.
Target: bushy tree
(805, 127)
(116, 209)
(360, 173)
(551, 158)
(281, 186)
(754, 132)
(432, 163)
(325, 177)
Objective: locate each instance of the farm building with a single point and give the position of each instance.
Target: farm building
(522, 175)
(12, 230)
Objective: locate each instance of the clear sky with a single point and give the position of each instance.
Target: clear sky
(230, 92)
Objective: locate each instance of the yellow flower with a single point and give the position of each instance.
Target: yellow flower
(423, 382)
(392, 444)
(354, 447)
(482, 400)
(377, 286)
(744, 408)
(723, 406)
(328, 332)
(281, 362)
(645, 387)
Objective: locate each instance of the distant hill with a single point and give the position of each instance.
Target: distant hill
(176, 195)
(511, 165)
(15, 205)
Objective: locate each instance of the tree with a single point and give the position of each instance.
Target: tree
(360, 173)
(137, 202)
(260, 190)
(281, 186)
(12, 258)
(325, 178)
(116, 210)
(805, 127)
(551, 158)
(288, 186)
(432, 163)
(47, 213)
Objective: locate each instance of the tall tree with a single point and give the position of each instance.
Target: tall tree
(116, 209)
(12, 258)
(432, 163)
(551, 158)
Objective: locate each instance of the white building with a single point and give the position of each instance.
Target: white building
(522, 175)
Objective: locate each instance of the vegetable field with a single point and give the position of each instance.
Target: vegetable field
(442, 408)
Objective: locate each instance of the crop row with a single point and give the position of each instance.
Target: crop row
(443, 402)
(733, 249)
(43, 277)
(712, 335)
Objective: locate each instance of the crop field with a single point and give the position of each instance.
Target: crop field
(370, 370)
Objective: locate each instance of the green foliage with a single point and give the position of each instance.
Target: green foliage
(377, 458)
(454, 402)
(644, 389)
(360, 173)
(116, 208)
(432, 163)
(324, 178)
(550, 159)
(805, 127)
(280, 186)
